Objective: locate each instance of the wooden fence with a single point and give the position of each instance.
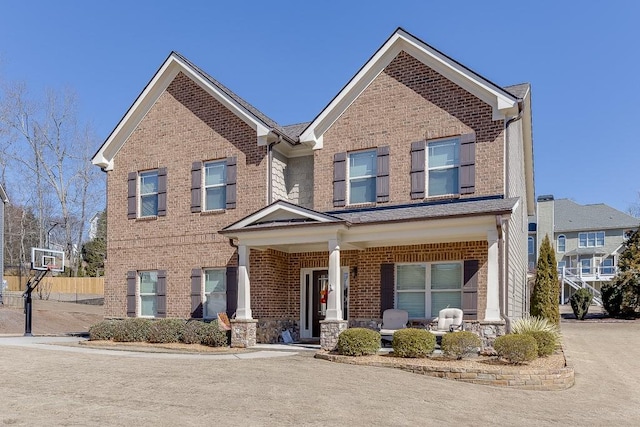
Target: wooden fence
(61, 285)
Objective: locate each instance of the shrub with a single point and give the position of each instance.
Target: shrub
(546, 342)
(102, 331)
(213, 336)
(413, 342)
(580, 302)
(358, 342)
(166, 330)
(546, 290)
(194, 332)
(612, 299)
(516, 348)
(460, 344)
(534, 324)
(132, 330)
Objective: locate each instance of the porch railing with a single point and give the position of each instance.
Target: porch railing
(578, 281)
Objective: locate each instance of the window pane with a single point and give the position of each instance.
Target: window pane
(148, 282)
(443, 153)
(148, 305)
(214, 173)
(591, 242)
(362, 164)
(531, 245)
(440, 300)
(215, 303)
(583, 240)
(443, 182)
(214, 281)
(362, 190)
(446, 276)
(412, 302)
(149, 205)
(561, 244)
(149, 182)
(411, 277)
(586, 266)
(216, 198)
(600, 238)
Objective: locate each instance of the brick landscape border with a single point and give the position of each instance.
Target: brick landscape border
(520, 377)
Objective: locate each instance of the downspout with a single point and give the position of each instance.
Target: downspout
(270, 169)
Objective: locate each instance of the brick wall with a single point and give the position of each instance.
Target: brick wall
(185, 125)
(410, 102)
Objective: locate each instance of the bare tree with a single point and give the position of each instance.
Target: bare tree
(634, 209)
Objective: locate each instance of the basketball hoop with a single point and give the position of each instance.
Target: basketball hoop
(52, 267)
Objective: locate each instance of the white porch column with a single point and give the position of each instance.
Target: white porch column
(243, 311)
(334, 299)
(493, 285)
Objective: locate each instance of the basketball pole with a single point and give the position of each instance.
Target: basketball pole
(32, 284)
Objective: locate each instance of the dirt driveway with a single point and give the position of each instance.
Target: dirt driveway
(41, 387)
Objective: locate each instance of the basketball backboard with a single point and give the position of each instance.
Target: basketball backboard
(47, 259)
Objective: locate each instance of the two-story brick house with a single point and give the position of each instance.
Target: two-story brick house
(411, 189)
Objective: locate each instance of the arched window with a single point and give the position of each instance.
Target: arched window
(532, 246)
(562, 241)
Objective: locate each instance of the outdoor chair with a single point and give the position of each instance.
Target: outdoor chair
(392, 320)
(449, 320)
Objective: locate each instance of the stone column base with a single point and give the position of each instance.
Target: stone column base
(243, 333)
(329, 331)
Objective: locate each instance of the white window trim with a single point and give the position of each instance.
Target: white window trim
(595, 237)
(139, 294)
(427, 289)
(349, 177)
(564, 241)
(203, 295)
(141, 194)
(428, 169)
(204, 185)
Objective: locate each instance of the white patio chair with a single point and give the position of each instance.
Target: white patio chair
(392, 320)
(449, 320)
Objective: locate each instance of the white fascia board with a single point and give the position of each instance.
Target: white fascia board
(162, 79)
(297, 212)
(288, 236)
(503, 104)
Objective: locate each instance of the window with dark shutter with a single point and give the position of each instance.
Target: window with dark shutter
(387, 287)
(161, 294)
(382, 179)
(196, 293)
(470, 290)
(231, 182)
(132, 277)
(339, 179)
(418, 180)
(232, 290)
(162, 191)
(467, 163)
(132, 182)
(196, 185)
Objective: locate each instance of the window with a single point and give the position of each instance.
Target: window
(215, 185)
(591, 239)
(148, 293)
(531, 246)
(585, 265)
(149, 193)
(215, 292)
(362, 177)
(561, 266)
(442, 167)
(607, 266)
(562, 243)
(425, 289)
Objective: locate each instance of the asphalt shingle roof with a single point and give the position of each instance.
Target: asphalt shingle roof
(519, 90)
(571, 216)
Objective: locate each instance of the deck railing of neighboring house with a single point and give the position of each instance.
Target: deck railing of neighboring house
(580, 277)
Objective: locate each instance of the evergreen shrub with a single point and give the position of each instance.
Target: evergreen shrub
(516, 348)
(580, 302)
(460, 344)
(166, 330)
(358, 342)
(102, 331)
(412, 342)
(132, 330)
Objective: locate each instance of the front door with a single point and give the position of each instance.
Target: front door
(319, 294)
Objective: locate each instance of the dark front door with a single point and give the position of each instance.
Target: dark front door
(319, 304)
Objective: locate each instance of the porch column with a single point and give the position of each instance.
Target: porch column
(243, 311)
(493, 286)
(333, 323)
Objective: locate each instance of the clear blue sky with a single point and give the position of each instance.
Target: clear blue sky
(289, 58)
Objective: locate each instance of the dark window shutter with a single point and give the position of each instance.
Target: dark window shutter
(232, 175)
(467, 169)
(162, 191)
(132, 277)
(161, 294)
(196, 293)
(339, 179)
(382, 180)
(232, 291)
(470, 290)
(418, 177)
(196, 187)
(387, 286)
(132, 185)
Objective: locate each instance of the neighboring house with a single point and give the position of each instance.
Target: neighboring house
(588, 240)
(3, 200)
(93, 225)
(411, 189)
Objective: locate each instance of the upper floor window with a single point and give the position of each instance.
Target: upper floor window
(442, 167)
(562, 243)
(148, 293)
(362, 177)
(215, 182)
(531, 246)
(149, 193)
(591, 239)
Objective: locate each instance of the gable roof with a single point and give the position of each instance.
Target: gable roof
(501, 100)
(571, 216)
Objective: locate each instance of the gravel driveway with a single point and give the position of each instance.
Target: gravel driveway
(41, 387)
